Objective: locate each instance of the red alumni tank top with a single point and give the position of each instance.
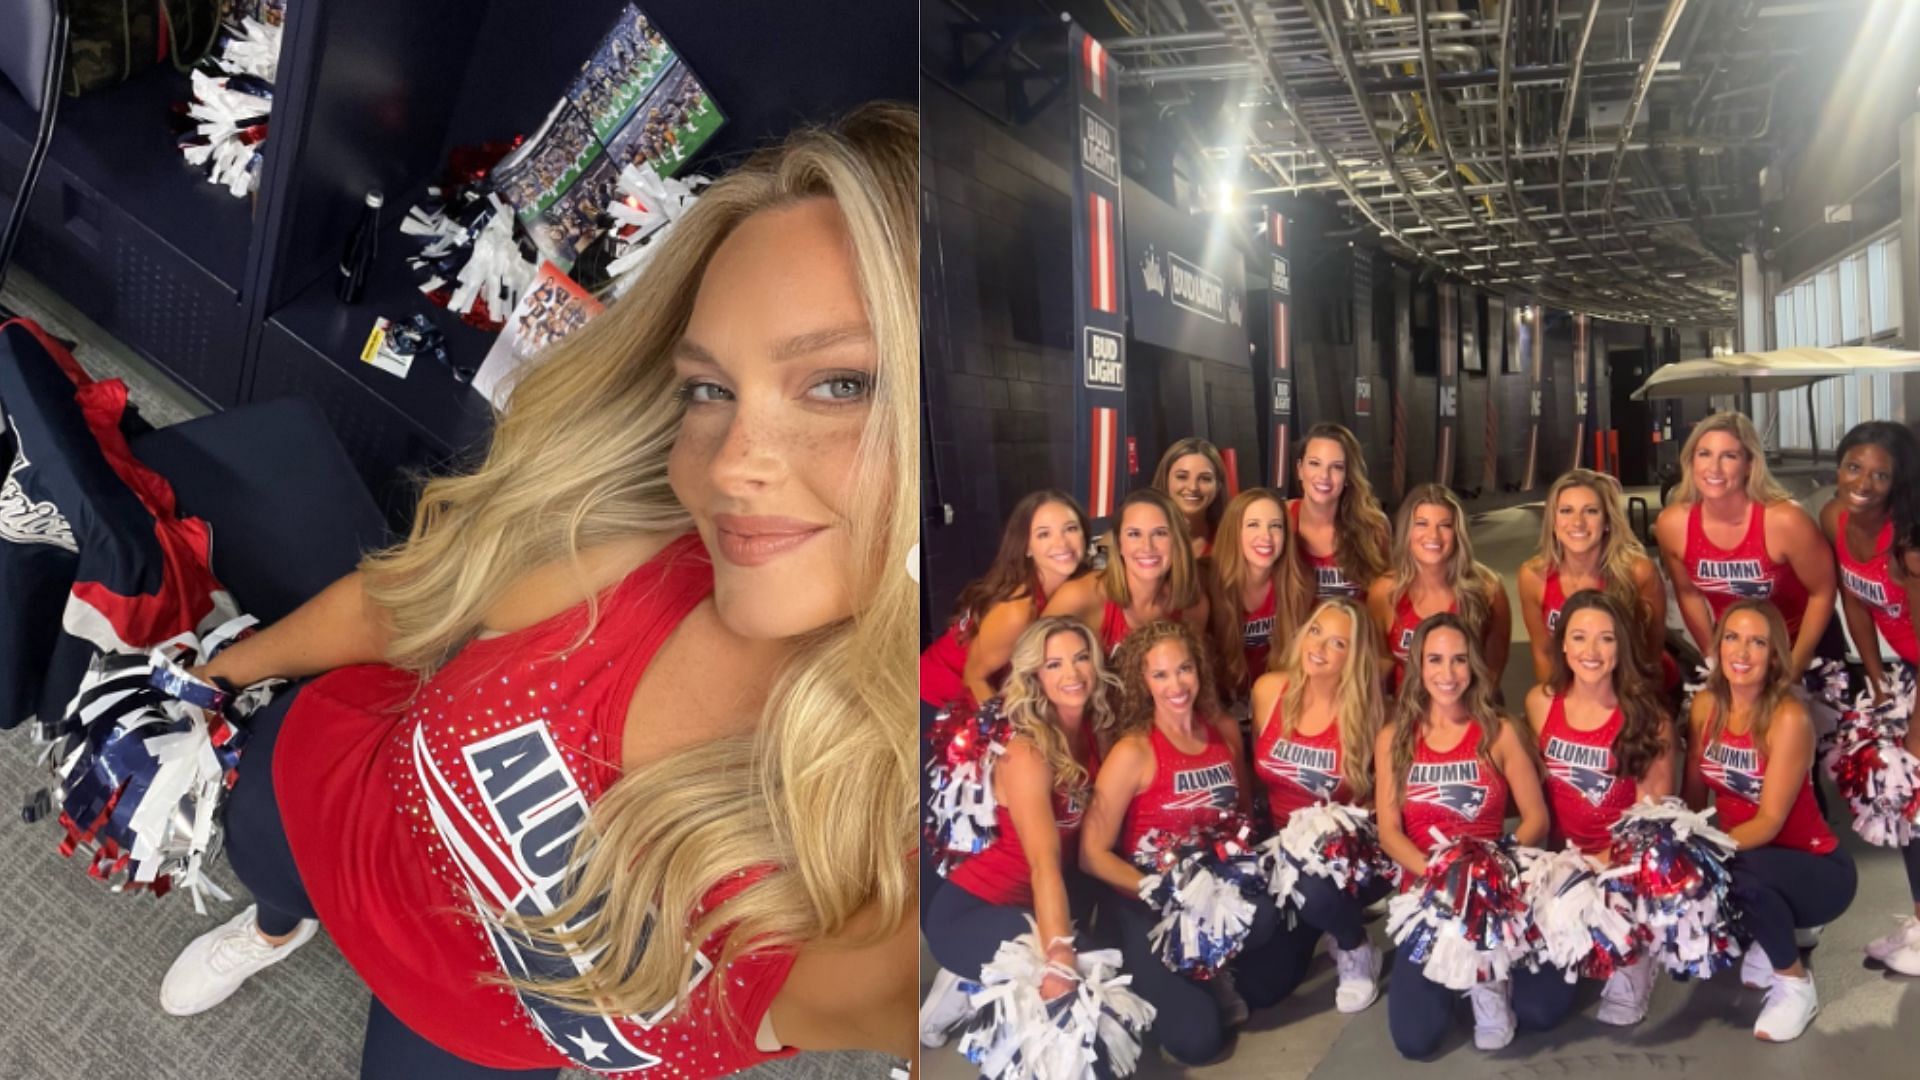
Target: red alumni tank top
(1114, 627)
(1188, 790)
(1000, 874)
(1400, 635)
(1870, 581)
(1734, 768)
(413, 819)
(1256, 637)
(1743, 572)
(943, 666)
(1301, 771)
(1454, 792)
(1328, 578)
(1584, 794)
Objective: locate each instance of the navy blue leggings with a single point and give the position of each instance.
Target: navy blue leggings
(1266, 975)
(1910, 855)
(963, 931)
(1419, 1010)
(1779, 890)
(1187, 1017)
(257, 849)
(930, 878)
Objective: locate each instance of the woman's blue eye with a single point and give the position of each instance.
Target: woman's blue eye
(840, 389)
(702, 393)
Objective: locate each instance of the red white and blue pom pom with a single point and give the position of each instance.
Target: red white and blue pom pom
(1870, 764)
(1017, 1034)
(1465, 922)
(1825, 688)
(1673, 873)
(1203, 886)
(963, 744)
(144, 771)
(1579, 926)
(1329, 840)
(644, 209)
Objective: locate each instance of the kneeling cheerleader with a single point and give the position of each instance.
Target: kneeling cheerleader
(1185, 899)
(1002, 923)
(1442, 774)
(1752, 746)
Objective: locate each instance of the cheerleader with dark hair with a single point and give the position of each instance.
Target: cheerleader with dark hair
(1192, 474)
(1151, 574)
(1342, 533)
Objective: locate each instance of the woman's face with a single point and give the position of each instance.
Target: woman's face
(1430, 534)
(1866, 478)
(1327, 639)
(1054, 540)
(777, 370)
(1592, 645)
(1066, 675)
(1579, 523)
(1444, 667)
(1323, 471)
(1172, 678)
(1262, 529)
(1746, 649)
(1193, 484)
(1146, 541)
(1719, 465)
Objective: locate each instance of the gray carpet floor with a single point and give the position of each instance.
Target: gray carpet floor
(80, 967)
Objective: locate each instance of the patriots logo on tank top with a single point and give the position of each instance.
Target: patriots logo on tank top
(538, 811)
(1553, 621)
(1258, 631)
(1586, 769)
(1744, 578)
(1329, 580)
(1454, 785)
(1310, 768)
(1735, 768)
(1406, 641)
(1211, 787)
(1071, 811)
(1868, 591)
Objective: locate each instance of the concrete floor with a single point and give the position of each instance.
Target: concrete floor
(1695, 1030)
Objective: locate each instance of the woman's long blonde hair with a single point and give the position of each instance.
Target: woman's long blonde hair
(1182, 580)
(1359, 706)
(1411, 711)
(1034, 718)
(1227, 577)
(822, 792)
(1761, 486)
(1776, 689)
(1473, 582)
(1620, 550)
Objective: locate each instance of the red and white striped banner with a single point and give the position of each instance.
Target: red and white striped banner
(1103, 289)
(1093, 61)
(1104, 483)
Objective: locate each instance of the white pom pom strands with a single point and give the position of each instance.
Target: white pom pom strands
(1017, 1034)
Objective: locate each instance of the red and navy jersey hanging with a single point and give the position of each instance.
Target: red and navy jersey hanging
(1099, 314)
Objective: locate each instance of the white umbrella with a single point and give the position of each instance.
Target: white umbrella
(1781, 369)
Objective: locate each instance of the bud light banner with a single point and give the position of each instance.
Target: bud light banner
(1099, 315)
(1186, 282)
(1280, 347)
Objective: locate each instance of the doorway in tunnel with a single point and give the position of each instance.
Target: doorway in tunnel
(1627, 369)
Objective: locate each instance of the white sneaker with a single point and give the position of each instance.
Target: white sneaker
(1756, 971)
(1791, 1006)
(1624, 1000)
(945, 1007)
(1905, 935)
(1807, 937)
(1493, 1022)
(213, 965)
(1233, 1008)
(1359, 971)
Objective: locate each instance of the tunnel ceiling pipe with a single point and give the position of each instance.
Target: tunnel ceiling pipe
(1444, 142)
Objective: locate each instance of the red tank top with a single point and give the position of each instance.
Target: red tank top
(1871, 582)
(1328, 579)
(1256, 637)
(1585, 794)
(1000, 874)
(408, 814)
(1743, 572)
(1188, 791)
(1400, 635)
(1735, 769)
(1454, 792)
(1114, 627)
(1300, 771)
(943, 666)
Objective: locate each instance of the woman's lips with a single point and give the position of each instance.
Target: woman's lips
(754, 541)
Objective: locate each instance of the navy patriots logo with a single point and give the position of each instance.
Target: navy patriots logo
(1211, 787)
(1733, 769)
(1553, 621)
(1451, 784)
(1332, 581)
(533, 801)
(1309, 768)
(1585, 769)
(1406, 643)
(1743, 578)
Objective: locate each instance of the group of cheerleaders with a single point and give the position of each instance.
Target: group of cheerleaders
(1366, 663)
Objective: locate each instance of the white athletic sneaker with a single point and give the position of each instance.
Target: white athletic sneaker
(1624, 1000)
(1233, 1008)
(1493, 1022)
(1791, 1006)
(1756, 971)
(1807, 937)
(946, 1006)
(213, 965)
(1905, 935)
(1359, 971)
